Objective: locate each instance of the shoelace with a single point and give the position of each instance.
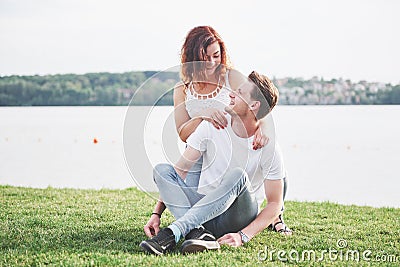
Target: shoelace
(162, 237)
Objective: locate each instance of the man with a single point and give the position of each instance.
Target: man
(234, 180)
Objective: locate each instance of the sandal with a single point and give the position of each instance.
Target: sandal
(284, 230)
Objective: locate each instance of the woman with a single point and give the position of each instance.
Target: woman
(204, 90)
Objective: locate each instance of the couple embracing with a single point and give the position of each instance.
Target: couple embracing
(231, 163)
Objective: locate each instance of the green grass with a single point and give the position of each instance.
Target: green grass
(71, 227)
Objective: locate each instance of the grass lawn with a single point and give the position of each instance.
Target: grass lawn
(104, 227)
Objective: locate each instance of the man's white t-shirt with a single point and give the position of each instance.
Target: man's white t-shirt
(223, 150)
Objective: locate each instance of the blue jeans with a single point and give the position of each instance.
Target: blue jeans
(228, 208)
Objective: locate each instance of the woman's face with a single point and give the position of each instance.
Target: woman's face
(213, 57)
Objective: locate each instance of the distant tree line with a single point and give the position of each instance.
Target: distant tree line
(92, 89)
(156, 88)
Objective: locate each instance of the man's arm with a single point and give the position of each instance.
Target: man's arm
(274, 193)
(152, 227)
(186, 161)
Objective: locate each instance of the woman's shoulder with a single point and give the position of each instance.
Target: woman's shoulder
(180, 89)
(181, 86)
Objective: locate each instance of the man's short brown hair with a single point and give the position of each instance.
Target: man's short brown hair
(265, 92)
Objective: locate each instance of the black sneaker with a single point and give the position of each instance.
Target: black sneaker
(161, 243)
(199, 239)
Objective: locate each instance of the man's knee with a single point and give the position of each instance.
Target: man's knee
(235, 176)
(239, 172)
(162, 170)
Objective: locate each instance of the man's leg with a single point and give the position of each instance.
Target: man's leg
(240, 214)
(236, 216)
(208, 207)
(177, 196)
(215, 203)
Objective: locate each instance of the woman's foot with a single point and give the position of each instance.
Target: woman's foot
(279, 226)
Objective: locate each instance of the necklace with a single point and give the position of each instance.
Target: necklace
(200, 96)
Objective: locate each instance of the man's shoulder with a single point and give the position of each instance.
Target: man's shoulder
(271, 152)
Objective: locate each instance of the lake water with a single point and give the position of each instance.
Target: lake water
(343, 154)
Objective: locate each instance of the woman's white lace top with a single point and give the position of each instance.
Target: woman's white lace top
(196, 103)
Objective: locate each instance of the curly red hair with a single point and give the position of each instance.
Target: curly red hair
(194, 50)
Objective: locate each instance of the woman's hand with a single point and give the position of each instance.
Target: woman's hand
(216, 117)
(231, 239)
(260, 140)
(152, 227)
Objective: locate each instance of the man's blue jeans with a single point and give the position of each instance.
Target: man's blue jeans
(228, 208)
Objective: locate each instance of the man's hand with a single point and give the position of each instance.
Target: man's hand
(231, 239)
(152, 227)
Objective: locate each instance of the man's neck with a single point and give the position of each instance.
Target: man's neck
(245, 126)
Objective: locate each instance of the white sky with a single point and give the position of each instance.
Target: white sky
(341, 38)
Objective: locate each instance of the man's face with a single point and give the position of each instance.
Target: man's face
(241, 99)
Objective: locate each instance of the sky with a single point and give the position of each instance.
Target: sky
(357, 40)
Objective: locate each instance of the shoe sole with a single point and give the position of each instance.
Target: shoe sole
(194, 246)
(149, 249)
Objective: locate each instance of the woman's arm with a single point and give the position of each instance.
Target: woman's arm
(185, 126)
(261, 136)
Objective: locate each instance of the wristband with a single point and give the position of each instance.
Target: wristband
(158, 214)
